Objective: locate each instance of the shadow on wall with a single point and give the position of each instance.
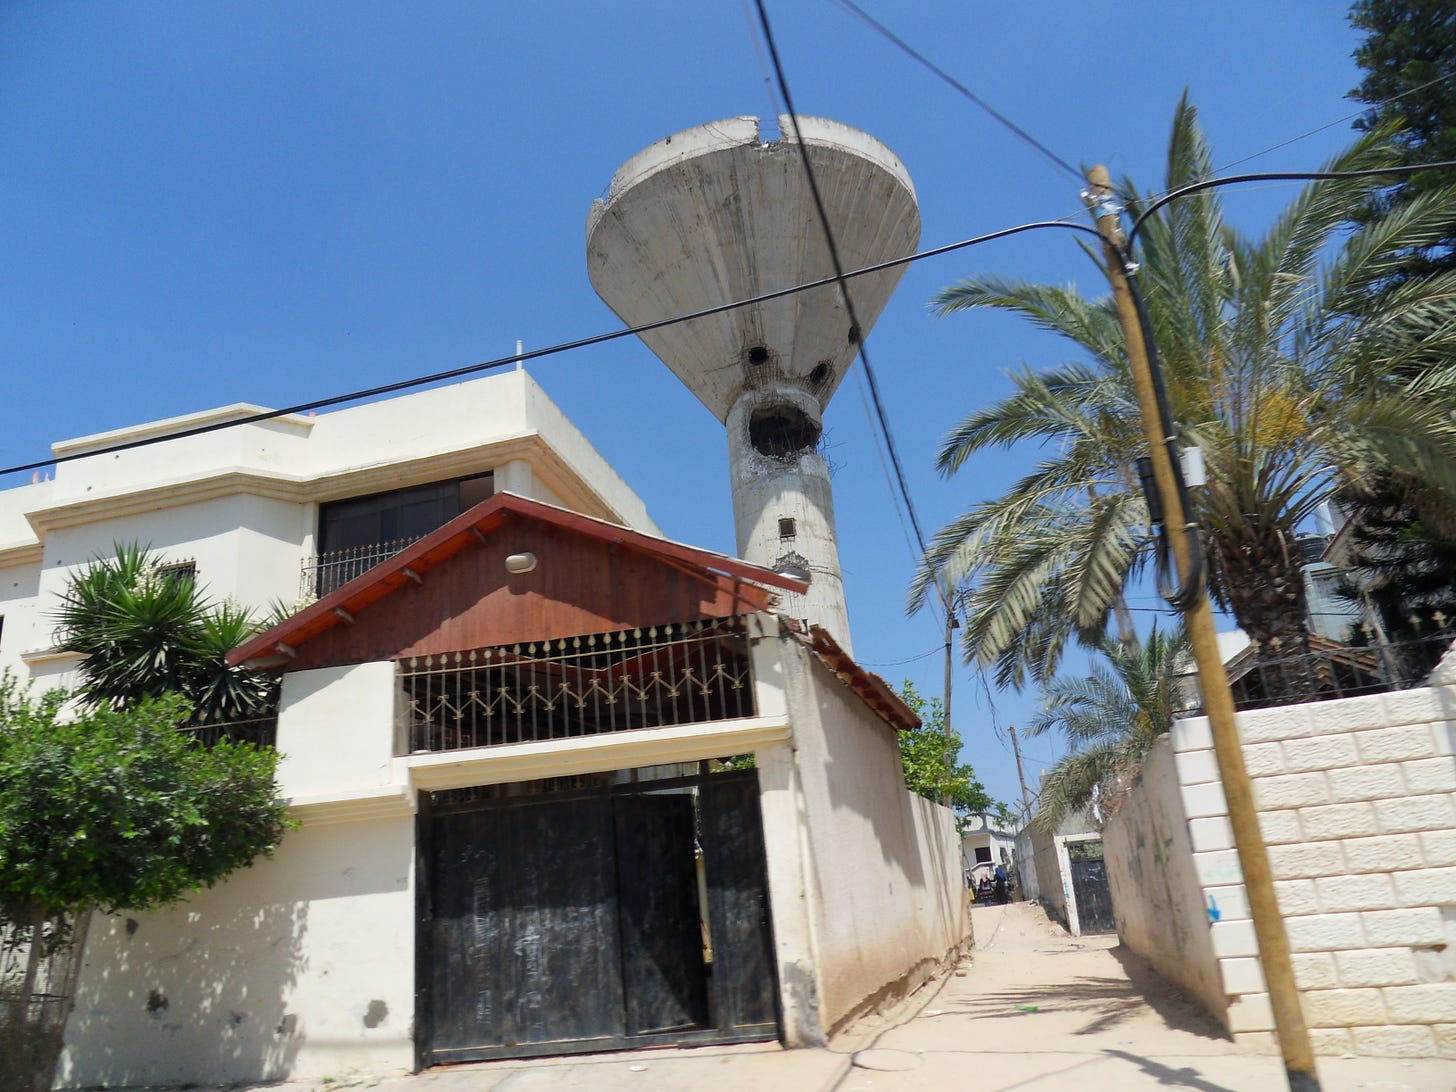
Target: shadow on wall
(199, 988)
(863, 775)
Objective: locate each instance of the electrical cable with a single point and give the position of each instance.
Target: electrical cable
(856, 331)
(891, 36)
(1277, 176)
(936, 651)
(550, 350)
(1340, 121)
(1188, 591)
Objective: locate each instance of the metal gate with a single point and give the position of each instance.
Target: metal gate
(1094, 898)
(596, 918)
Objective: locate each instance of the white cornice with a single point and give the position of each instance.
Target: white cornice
(385, 802)
(36, 656)
(21, 553)
(235, 412)
(592, 754)
(544, 461)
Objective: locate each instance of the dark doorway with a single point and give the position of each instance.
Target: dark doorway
(616, 913)
(1089, 887)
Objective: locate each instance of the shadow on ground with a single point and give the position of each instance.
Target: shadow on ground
(1103, 1001)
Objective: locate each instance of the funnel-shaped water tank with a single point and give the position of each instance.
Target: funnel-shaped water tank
(719, 214)
(716, 214)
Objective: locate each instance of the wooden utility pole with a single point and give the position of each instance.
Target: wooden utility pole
(1218, 701)
(1020, 775)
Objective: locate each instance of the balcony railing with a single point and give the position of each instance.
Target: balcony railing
(684, 673)
(326, 572)
(1261, 678)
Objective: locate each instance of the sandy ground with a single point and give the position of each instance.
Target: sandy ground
(1039, 1009)
(1035, 1010)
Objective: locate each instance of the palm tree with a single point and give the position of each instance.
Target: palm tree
(144, 631)
(1109, 718)
(1288, 390)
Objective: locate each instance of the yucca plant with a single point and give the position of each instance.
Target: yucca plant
(144, 632)
(1287, 388)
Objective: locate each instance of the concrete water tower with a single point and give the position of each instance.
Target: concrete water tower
(723, 213)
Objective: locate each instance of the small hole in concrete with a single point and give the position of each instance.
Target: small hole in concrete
(822, 371)
(758, 355)
(787, 528)
(781, 430)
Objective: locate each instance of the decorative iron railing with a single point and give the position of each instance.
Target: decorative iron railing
(1262, 678)
(682, 673)
(261, 732)
(328, 571)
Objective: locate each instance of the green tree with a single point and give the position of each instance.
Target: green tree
(1409, 59)
(145, 632)
(1286, 392)
(114, 809)
(1402, 543)
(1108, 719)
(929, 758)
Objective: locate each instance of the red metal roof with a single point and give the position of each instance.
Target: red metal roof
(748, 583)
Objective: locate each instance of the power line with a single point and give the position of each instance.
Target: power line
(936, 651)
(1276, 176)
(1339, 121)
(905, 46)
(550, 350)
(856, 331)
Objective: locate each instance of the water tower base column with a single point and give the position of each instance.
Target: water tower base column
(783, 507)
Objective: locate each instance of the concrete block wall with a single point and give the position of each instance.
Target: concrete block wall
(1357, 803)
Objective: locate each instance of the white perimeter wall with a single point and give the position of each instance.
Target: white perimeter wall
(1156, 897)
(301, 966)
(1356, 804)
(881, 865)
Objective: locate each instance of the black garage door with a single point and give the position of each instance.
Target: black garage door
(596, 918)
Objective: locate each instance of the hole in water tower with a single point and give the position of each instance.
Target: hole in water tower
(821, 373)
(758, 355)
(781, 430)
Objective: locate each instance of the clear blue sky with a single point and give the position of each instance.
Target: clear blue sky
(206, 202)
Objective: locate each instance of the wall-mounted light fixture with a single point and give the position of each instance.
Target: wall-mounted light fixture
(516, 564)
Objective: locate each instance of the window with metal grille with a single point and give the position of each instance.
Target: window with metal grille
(358, 533)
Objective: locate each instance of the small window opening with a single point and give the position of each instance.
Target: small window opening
(178, 572)
(788, 528)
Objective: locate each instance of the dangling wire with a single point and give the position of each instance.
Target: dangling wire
(1186, 593)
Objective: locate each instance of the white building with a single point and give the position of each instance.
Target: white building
(257, 508)
(503, 745)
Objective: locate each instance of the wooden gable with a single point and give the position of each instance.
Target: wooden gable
(451, 591)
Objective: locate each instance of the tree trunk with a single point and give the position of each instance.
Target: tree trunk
(38, 998)
(1260, 579)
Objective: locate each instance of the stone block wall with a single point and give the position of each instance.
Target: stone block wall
(1357, 802)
